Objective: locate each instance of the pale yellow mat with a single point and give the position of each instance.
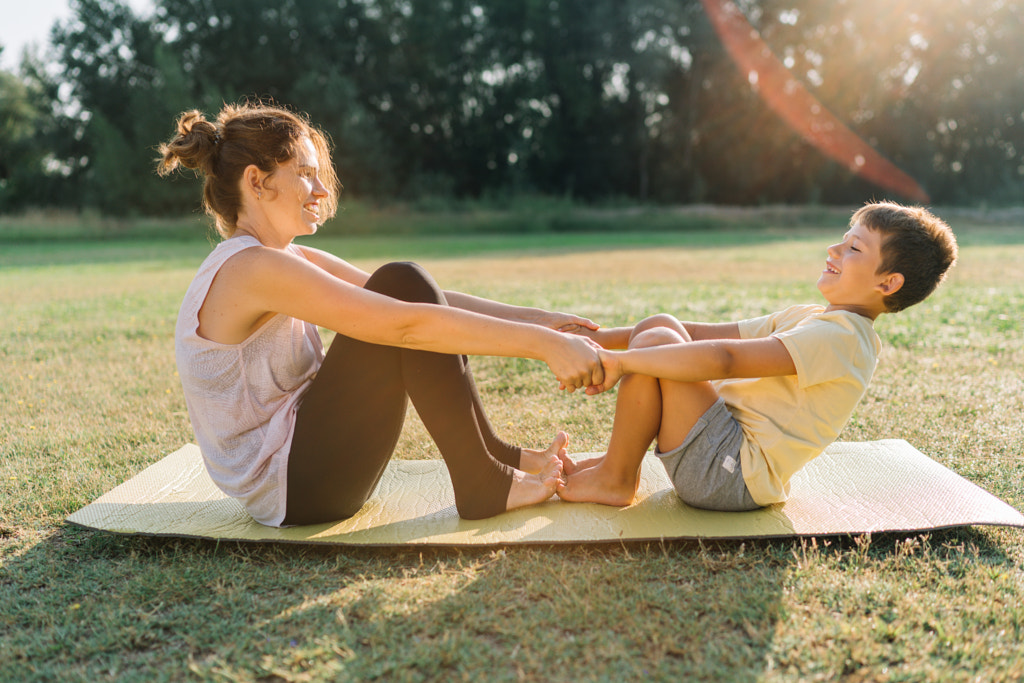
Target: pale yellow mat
(852, 488)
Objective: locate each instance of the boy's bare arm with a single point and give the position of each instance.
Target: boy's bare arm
(705, 331)
(714, 359)
(699, 361)
(618, 337)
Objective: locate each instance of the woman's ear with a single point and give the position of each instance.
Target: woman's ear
(252, 180)
(891, 284)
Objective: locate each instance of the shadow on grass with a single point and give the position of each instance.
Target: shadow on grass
(86, 605)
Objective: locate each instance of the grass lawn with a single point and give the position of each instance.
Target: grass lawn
(89, 397)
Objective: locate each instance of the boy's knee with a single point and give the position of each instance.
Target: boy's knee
(659, 321)
(655, 336)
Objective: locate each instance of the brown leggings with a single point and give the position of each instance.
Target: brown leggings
(350, 419)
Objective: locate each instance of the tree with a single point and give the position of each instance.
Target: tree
(18, 122)
(591, 99)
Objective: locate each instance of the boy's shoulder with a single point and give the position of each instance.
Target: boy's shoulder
(832, 321)
(813, 325)
(844, 333)
(798, 312)
(811, 320)
(804, 313)
(827, 345)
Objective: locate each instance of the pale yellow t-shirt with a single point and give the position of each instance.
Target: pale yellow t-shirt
(788, 421)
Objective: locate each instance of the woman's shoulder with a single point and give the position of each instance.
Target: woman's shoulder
(247, 251)
(226, 249)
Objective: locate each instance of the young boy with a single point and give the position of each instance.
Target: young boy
(738, 408)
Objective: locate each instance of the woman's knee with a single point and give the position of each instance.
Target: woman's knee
(406, 281)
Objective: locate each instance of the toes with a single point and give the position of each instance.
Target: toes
(560, 443)
(552, 469)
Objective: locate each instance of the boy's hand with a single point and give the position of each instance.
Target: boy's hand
(612, 365)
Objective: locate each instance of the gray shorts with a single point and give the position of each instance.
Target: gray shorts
(705, 469)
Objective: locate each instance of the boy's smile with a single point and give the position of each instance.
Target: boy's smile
(851, 280)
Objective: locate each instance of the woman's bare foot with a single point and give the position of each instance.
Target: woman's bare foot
(530, 489)
(533, 461)
(597, 483)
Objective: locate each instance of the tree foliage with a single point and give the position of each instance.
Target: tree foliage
(591, 99)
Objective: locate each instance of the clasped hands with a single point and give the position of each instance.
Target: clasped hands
(592, 368)
(589, 366)
(604, 373)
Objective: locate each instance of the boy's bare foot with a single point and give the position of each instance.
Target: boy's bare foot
(533, 461)
(586, 464)
(598, 484)
(530, 489)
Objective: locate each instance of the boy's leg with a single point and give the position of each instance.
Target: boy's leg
(683, 402)
(646, 408)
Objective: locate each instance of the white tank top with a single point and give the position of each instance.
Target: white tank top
(242, 398)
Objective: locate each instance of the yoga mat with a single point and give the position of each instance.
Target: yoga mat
(852, 488)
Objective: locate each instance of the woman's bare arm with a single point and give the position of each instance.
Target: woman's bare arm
(259, 281)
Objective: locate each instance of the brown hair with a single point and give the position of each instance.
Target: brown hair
(915, 243)
(245, 134)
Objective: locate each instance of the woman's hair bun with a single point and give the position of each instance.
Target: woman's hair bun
(193, 146)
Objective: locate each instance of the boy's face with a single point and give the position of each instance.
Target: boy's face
(850, 280)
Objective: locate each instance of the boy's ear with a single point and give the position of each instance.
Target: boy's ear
(891, 284)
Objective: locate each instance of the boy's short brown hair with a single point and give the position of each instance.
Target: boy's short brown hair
(915, 243)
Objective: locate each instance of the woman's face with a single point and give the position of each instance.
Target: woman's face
(293, 192)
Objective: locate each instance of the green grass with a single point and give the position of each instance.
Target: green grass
(89, 397)
(524, 215)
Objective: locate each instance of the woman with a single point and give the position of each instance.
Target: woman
(300, 436)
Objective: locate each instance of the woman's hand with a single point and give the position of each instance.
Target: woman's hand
(575, 363)
(565, 322)
(611, 363)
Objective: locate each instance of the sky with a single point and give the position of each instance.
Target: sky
(25, 22)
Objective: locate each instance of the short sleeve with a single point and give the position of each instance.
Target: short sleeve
(829, 348)
(766, 325)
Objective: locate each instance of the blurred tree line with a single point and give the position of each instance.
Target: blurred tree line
(597, 100)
